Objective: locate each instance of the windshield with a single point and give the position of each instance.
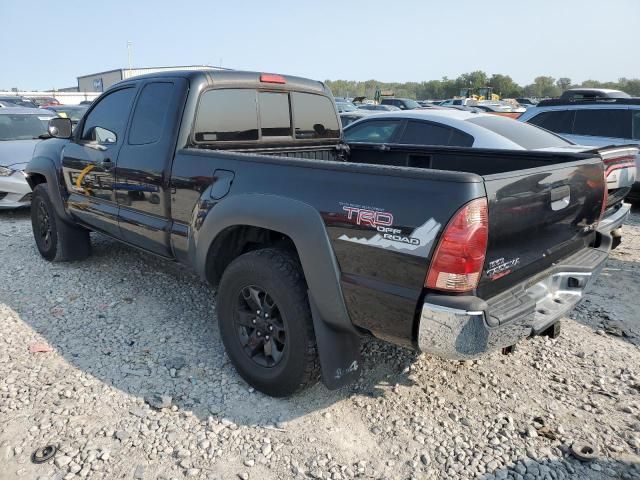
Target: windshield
(526, 135)
(346, 107)
(22, 127)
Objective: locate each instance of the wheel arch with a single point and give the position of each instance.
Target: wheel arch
(300, 226)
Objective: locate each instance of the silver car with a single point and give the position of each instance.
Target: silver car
(20, 130)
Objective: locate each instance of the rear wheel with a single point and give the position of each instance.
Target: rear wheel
(265, 322)
(56, 240)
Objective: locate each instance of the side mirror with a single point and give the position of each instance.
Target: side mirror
(60, 127)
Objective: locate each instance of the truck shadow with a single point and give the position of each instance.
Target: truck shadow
(599, 469)
(146, 326)
(610, 307)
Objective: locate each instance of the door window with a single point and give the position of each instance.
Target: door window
(149, 115)
(560, 121)
(603, 122)
(379, 131)
(107, 121)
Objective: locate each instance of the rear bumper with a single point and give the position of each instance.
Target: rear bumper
(615, 220)
(466, 327)
(14, 191)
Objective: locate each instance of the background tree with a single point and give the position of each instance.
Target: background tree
(503, 85)
(563, 83)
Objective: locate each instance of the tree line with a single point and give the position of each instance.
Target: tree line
(503, 85)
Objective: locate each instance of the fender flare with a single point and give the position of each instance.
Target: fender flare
(337, 339)
(46, 167)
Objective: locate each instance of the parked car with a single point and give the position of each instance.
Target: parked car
(458, 102)
(401, 103)
(592, 94)
(86, 102)
(379, 108)
(44, 101)
(347, 118)
(312, 243)
(498, 107)
(346, 107)
(20, 129)
(18, 101)
(597, 122)
(7, 105)
(74, 112)
(527, 102)
(464, 129)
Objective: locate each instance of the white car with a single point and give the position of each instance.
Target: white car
(20, 130)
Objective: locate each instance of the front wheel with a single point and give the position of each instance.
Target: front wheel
(265, 322)
(57, 241)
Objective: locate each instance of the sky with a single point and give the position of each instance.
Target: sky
(47, 44)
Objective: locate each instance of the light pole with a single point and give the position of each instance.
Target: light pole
(129, 53)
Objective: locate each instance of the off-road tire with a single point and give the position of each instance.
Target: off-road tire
(57, 241)
(278, 273)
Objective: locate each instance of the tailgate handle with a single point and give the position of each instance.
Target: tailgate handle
(560, 197)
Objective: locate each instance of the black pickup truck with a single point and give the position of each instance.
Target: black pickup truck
(310, 242)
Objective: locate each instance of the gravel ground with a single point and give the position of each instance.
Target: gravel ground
(137, 386)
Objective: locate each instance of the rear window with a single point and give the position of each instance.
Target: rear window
(527, 136)
(275, 117)
(425, 133)
(314, 116)
(241, 115)
(227, 115)
(636, 124)
(603, 122)
(560, 121)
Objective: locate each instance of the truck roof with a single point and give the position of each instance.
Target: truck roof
(237, 78)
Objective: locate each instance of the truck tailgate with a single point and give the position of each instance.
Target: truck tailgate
(538, 216)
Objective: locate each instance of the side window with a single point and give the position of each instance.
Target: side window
(314, 116)
(379, 131)
(423, 133)
(560, 121)
(636, 124)
(227, 115)
(275, 117)
(603, 123)
(150, 112)
(457, 102)
(107, 121)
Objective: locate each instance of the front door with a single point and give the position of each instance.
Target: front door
(89, 161)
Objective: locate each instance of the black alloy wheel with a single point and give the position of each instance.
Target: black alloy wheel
(259, 326)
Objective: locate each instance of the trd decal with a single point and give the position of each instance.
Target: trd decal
(501, 267)
(373, 218)
(417, 243)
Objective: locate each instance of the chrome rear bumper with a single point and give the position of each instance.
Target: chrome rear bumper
(524, 310)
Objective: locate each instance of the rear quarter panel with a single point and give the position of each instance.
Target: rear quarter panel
(382, 278)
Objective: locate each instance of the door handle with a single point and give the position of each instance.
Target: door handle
(106, 163)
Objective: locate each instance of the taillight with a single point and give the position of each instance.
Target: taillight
(457, 263)
(271, 78)
(605, 196)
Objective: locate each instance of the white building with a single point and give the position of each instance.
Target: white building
(99, 82)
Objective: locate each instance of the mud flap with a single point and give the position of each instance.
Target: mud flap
(339, 352)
